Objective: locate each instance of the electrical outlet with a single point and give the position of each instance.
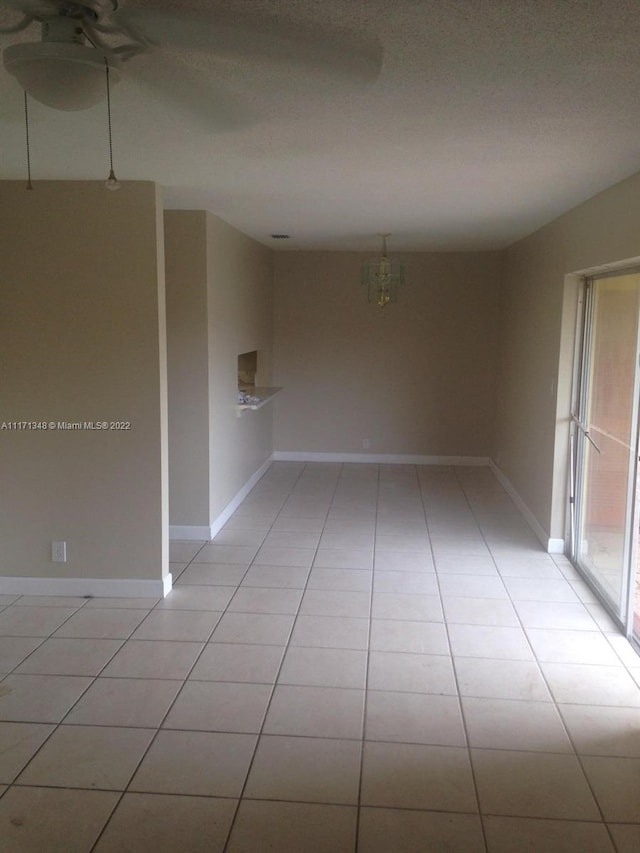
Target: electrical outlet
(59, 552)
(365, 443)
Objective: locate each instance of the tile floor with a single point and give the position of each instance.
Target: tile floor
(366, 658)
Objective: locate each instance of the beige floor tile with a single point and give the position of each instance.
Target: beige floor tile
(301, 524)
(419, 637)
(330, 632)
(241, 538)
(268, 628)
(512, 724)
(414, 673)
(88, 757)
(253, 600)
(407, 583)
(555, 615)
(212, 574)
(396, 605)
(453, 545)
(325, 712)
(153, 659)
(532, 784)
(74, 601)
(414, 543)
(131, 702)
(460, 610)
(413, 776)
(281, 577)
(344, 558)
(39, 698)
(324, 667)
(535, 589)
(293, 827)
(213, 553)
(518, 834)
(110, 623)
(33, 820)
(269, 555)
(18, 743)
(616, 785)
(466, 565)
(471, 586)
(292, 539)
(564, 646)
(184, 625)
(218, 706)
(488, 641)
(13, 650)
(348, 580)
(582, 684)
(317, 770)
(183, 551)
(61, 656)
(348, 539)
(163, 823)
(135, 603)
(414, 718)
(404, 831)
(522, 566)
(238, 662)
(328, 602)
(194, 597)
(501, 679)
(628, 655)
(626, 837)
(212, 764)
(403, 561)
(16, 621)
(603, 730)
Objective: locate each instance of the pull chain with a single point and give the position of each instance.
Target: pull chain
(26, 127)
(112, 183)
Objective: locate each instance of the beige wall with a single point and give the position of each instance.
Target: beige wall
(188, 366)
(82, 339)
(240, 298)
(536, 348)
(416, 377)
(219, 303)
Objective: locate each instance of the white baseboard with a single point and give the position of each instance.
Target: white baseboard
(190, 532)
(551, 546)
(87, 587)
(556, 546)
(377, 458)
(218, 523)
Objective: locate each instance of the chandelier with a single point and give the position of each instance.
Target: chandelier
(381, 277)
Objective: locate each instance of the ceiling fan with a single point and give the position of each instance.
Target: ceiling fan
(79, 38)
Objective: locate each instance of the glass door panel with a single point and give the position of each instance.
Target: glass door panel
(607, 440)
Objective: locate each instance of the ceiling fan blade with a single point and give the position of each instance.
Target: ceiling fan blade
(190, 92)
(329, 53)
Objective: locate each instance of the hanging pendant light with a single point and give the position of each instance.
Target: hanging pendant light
(381, 277)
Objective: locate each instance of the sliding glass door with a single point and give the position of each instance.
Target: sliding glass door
(606, 441)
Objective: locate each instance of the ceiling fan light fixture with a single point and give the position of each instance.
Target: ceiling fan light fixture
(59, 75)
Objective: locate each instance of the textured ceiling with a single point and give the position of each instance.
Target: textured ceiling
(488, 119)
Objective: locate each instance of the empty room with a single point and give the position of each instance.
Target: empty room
(319, 426)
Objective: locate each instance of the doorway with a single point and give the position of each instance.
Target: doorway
(606, 493)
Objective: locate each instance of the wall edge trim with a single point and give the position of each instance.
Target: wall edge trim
(87, 587)
(542, 535)
(218, 523)
(381, 458)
